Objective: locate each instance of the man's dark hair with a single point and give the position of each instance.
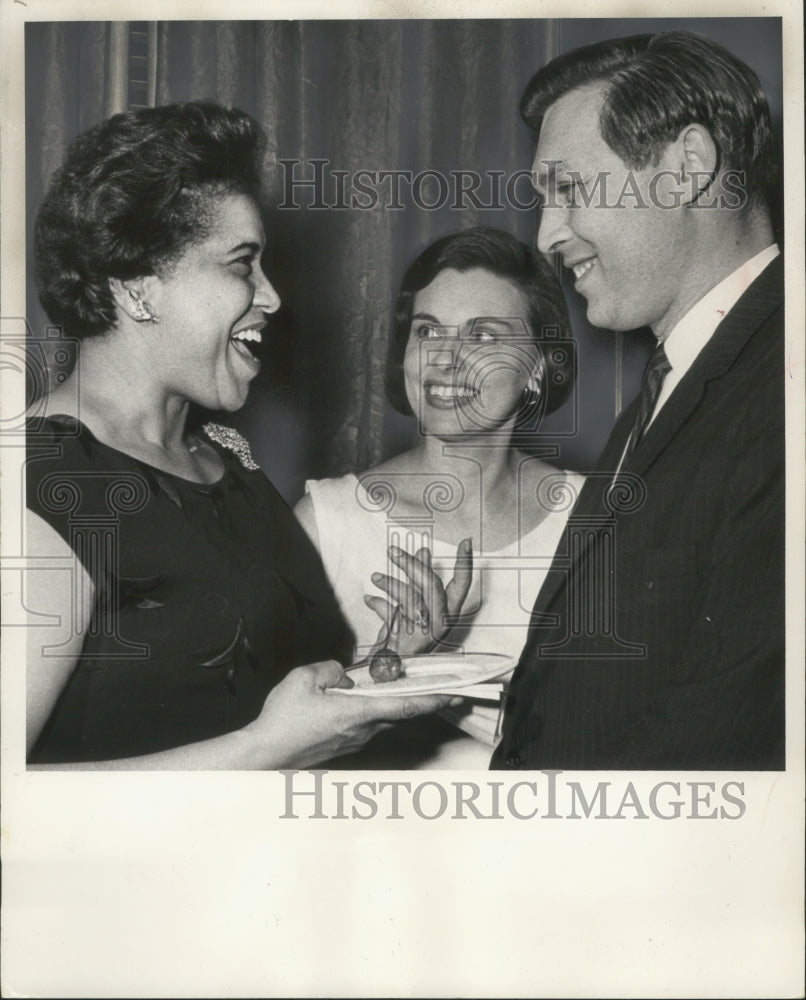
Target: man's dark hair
(655, 86)
(502, 255)
(133, 193)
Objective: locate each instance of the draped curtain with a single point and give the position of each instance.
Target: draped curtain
(417, 96)
(76, 75)
(374, 96)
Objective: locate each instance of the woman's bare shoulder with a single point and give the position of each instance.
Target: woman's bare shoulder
(395, 482)
(398, 467)
(532, 469)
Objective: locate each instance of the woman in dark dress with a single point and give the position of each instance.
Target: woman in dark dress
(175, 595)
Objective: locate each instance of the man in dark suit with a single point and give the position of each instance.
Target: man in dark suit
(658, 637)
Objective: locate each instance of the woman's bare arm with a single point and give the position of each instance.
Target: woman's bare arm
(59, 597)
(301, 724)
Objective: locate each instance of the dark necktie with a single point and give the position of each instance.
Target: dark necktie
(655, 372)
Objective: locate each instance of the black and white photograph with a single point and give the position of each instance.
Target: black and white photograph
(388, 393)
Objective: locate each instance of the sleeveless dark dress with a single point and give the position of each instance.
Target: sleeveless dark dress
(206, 595)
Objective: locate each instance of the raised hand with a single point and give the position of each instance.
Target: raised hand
(421, 610)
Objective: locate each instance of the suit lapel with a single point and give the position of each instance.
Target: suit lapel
(589, 506)
(760, 300)
(755, 306)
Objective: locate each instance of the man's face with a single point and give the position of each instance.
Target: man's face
(627, 254)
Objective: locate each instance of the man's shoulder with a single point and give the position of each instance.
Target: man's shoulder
(761, 303)
(748, 343)
(760, 354)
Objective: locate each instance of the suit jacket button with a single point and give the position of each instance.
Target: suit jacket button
(512, 759)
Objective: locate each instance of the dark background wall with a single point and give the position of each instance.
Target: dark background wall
(372, 95)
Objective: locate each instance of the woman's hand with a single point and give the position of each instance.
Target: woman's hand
(302, 723)
(305, 724)
(423, 609)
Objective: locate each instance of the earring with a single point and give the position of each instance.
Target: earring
(532, 390)
(530, 407)
(531, 396)
(140, 310)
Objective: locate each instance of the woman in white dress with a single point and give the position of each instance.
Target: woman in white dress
(479, 354)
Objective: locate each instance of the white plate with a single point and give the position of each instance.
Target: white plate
(432, 674)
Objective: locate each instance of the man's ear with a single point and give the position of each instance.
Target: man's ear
(129, 296)
(697, 161)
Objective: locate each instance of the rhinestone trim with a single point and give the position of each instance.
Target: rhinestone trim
(229, 438)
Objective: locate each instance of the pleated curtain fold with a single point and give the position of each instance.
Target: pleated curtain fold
(430, 98)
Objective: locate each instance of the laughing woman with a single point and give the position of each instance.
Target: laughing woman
(479, 354)
(187, 622)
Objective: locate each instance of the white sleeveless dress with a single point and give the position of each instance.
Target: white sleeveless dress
(355, 527)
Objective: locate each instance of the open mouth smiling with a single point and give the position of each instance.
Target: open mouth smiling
(582, 268)
(245, 341)
(440, 394)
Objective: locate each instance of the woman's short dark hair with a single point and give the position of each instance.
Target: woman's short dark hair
(500, 254)
(656, 85)
(133, 193)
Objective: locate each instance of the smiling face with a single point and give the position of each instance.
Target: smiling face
(211, 306)
(469, 354)
(629, 262)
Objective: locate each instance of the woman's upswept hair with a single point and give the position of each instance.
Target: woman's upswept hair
(132, 194)
(655, 86)
(500, 254)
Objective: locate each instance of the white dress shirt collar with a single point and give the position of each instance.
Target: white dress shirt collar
(688, 337)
